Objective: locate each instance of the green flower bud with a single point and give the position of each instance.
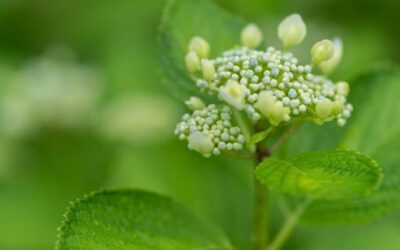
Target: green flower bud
(330, 65)
(251, 36)
(195, 103)
(292, 31)
(192, 62)
(322, 51)
(324, 109)
(208, 69)
(273, 110)
(200, 46)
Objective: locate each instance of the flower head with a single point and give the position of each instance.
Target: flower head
(271, 85)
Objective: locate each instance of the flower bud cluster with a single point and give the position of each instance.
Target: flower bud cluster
(273, 84)
(210, 130)
(263, 83)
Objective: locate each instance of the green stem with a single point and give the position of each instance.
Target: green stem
(260, 223)
(288, 226)
(260, 216)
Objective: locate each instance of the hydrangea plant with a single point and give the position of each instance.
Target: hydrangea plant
(259, 103)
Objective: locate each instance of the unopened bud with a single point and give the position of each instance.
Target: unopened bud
(322, 51)
(251, 36)
(200, 46)
(195, 103)
(330, 65)
(192, 62)
(292, 31)
(273, 110)
(208, 69)
(324, 109)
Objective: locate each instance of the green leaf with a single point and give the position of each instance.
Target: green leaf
(181, 21)
(374, 129)
(260, 136)
(328, 175)
(135, 220)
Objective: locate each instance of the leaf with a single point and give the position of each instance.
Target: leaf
(260, 136)
(135, 220)
(328, 175)
(183, 20)
(374, 129)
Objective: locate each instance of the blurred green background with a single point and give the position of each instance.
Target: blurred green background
(83, 108)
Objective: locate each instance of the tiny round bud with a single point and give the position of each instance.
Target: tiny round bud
(200, 46)
(322, 51)
(328, 66)
(195, 103)
(208, 69)
(292, 31)
(251, 36)
(192, 62)
(234, 94)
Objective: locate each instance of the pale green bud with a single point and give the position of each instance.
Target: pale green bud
(201, 143)
(322, 51)
(292, 31)
(195, 103)
(233, 93)
(192, 62)
(200, 46)
(324, 109)
(251, 36)
(330, 65)
(342, 88)
(208, 69)
(273, 110)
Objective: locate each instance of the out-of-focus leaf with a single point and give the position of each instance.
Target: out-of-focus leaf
(135, 220)
(183, 20)
(328, 175)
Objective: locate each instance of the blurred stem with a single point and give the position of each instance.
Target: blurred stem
(288, 226)
(260, 223)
